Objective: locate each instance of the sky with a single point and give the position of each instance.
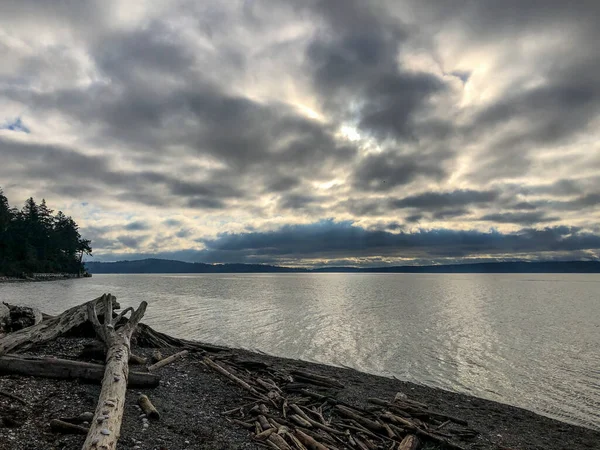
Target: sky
(308, 133)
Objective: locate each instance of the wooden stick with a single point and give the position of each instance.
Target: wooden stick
(300, 421)
(167, 360)
(265, 434)
(305, 375)
(147, 407)
(368, 423)
(410, 442)
(67, 428)
(210, 363)
(279, 442)
(309, 441)
(313, 422)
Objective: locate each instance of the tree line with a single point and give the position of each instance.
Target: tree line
(34, 240)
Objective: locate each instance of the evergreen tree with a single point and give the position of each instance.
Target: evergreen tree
(32, 240)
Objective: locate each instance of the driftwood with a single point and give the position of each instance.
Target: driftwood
(81, 418)
(410, 442)
(298, 421)
(105, 428)
(309, 442)
(49, 329)
(311, 377)
(14, 397)
(167, 360)
(210, 363)
(60, 426)
(137, 360)
(146, 336)
(147, 407)
(66, 369)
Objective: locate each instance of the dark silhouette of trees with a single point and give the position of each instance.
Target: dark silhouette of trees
(33, 240)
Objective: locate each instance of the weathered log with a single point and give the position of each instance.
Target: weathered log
(137, 360)
(410, 442)
(313, 422)
(265, 434)
(168, 360)
(300, 421)
(279, 442)
(81, 418)
(147, 407)
(106, 426)
(146, 336)
(305, 375)
(60, 426)
(246, 425)
(308, 441)
(296, 443)
(49, 329)
(64, 369)
(367, 423)
(264, 423)
(210, 363)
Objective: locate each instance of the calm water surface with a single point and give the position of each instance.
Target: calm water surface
(529, 340)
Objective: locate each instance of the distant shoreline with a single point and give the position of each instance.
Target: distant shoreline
(157, 266)
(36, 278)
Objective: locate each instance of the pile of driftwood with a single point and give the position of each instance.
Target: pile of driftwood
(300, 410)
(285, 410)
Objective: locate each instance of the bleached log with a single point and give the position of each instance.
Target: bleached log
(167, 360)
(105, 428)
(49, 329)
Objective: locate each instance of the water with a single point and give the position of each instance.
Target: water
(528, 340)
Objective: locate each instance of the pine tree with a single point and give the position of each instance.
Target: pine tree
(33, 240)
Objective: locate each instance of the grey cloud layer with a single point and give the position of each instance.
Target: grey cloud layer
(450, 115)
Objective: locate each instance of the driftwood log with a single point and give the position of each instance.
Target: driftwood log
(167, 360)
(148, 408)
(105, 428)
(49, 329)
(61, 426)
(146, 336)
(65, 369)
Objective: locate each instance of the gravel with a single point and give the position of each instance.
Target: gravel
(191, 398)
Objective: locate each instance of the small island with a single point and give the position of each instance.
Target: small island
(36, 244)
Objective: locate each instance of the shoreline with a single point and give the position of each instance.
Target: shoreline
(36, 278)
(191, 399)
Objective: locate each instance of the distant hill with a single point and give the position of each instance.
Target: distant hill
(153, 265)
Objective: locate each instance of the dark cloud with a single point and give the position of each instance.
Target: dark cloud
(388, 170)
(138, 225)
(338, 240)
(133, 242)
(523, 218)
(435, 200)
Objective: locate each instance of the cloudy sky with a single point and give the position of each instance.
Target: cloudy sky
(308, 132)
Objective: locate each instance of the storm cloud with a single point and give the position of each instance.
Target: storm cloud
(304, 132)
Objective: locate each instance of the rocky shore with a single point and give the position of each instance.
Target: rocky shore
(201, 408)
